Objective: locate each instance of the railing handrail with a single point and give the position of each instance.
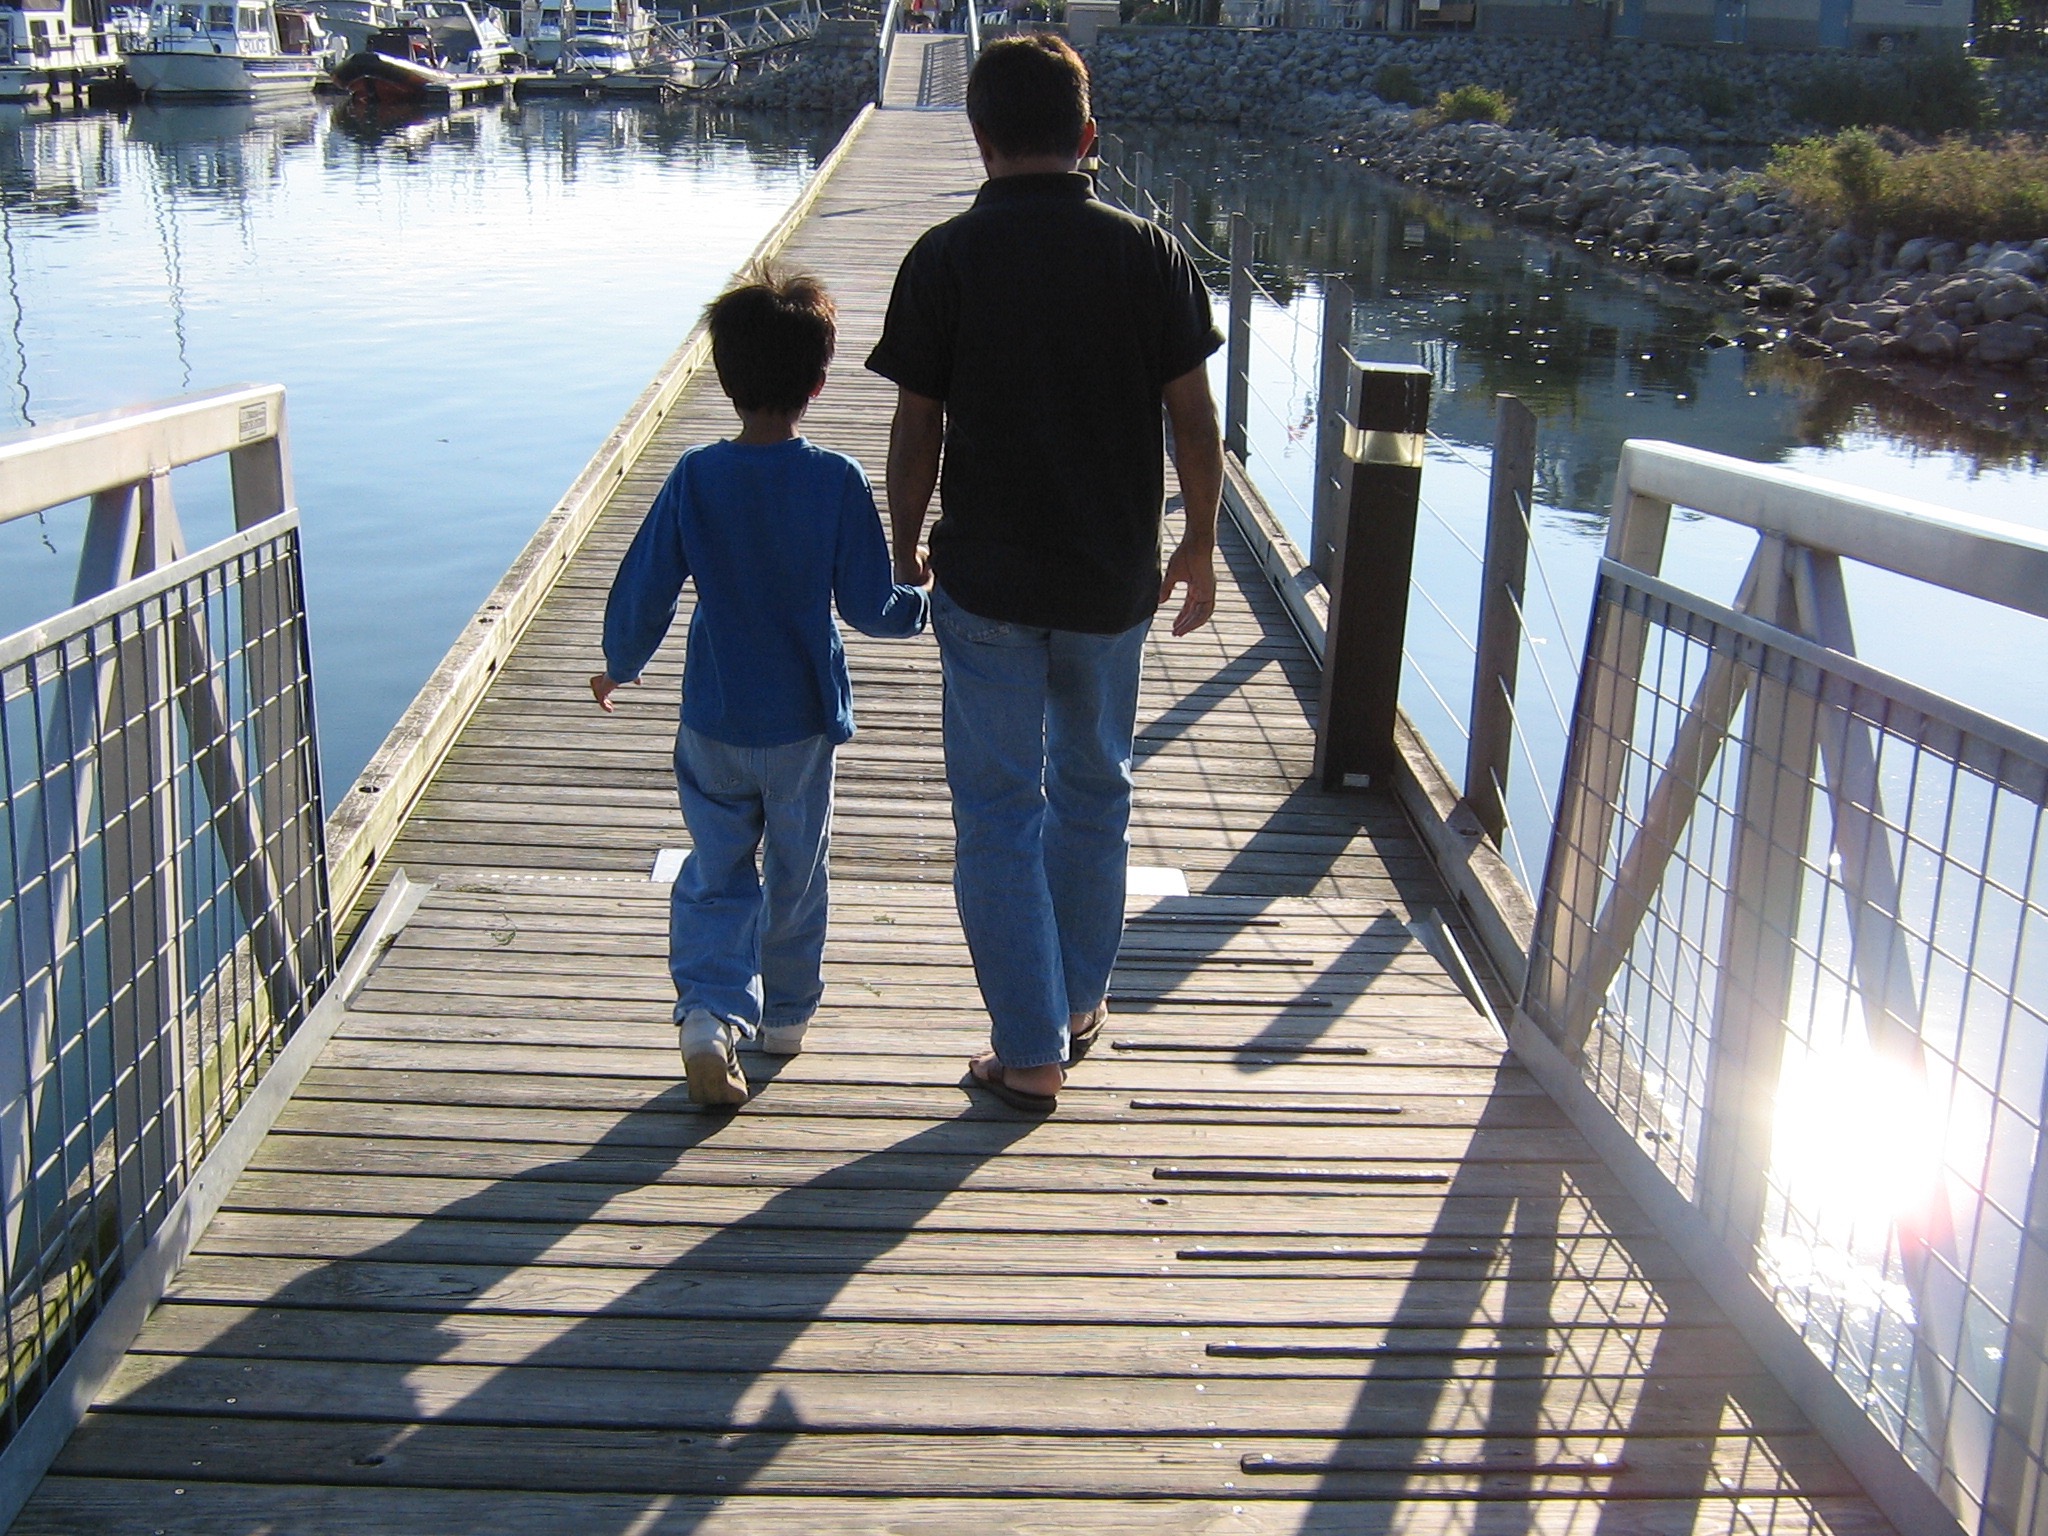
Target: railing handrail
(46, 467)
(886, 39)
(1980, 557)
(973, 30)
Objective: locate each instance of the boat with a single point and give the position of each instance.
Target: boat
(354, 20)
(442, 51)
(229, 48)
(544, 31)
(45, 42)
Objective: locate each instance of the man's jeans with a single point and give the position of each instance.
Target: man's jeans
(745, 947)
(1038, 757)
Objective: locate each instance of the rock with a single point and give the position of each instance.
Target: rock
(1865, 347)
(1680, 263)
(1775, 292)
(1913, 255)
(1937, 342)
(2002, 343)
(1835, 330)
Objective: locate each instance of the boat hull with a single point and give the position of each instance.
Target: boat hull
(377, 79)
(165, 74)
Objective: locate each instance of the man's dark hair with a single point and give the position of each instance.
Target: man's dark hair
(1029, 96)
(771, 338)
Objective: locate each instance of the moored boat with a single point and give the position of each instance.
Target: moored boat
(43, 42)
(442, 51)
(229, 48)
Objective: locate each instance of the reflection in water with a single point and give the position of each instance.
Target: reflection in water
(1602, 355)
(460, 307)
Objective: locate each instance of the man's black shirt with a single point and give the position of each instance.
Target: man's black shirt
(1048, 323)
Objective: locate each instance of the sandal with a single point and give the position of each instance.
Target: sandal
(1017, 1098)
(1081, 1041)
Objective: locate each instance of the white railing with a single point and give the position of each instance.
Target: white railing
(164, 922)
(892, 20)
(1790, 970)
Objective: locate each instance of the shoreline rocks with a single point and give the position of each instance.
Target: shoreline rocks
(1567, 167)
(1867, 299)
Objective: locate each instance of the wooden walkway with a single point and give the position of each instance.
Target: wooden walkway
(1300, 1252)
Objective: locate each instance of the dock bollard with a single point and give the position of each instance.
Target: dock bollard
(1361, 687)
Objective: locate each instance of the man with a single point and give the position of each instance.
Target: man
(1037, 336)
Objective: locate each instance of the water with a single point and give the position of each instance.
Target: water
(459, 308)
(1601, 356)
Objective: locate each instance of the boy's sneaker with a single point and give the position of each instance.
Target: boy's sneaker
(783, 1039)
(711, 1061)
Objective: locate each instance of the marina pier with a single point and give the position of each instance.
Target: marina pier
(352, 1187)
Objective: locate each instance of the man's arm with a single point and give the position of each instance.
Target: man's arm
(1198, 460)
(913, 474)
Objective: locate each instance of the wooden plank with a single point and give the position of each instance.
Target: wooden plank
(73, 1506)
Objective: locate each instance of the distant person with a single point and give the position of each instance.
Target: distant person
(773, 531)
(1036, 336)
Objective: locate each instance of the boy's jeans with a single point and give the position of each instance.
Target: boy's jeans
(744, 947)
(1038, 757)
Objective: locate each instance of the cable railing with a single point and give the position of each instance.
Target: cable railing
(164, 920)
(1784, 965)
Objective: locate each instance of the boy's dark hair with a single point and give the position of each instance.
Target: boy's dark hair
(772, 336)
(1029, 96)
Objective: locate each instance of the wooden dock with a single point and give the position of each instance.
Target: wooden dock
(1301, 1251)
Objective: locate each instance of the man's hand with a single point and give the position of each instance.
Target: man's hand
(1193, 566)
(602, 688)
(915, 568)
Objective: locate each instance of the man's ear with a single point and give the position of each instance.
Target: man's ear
(1088, 138)
(818, 388)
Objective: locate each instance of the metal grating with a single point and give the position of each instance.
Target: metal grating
(1796, 935)
(164, 919)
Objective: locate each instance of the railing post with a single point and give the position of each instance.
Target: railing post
(1141, 185)
(1361, 686)
(1500, 615)
(1326, 511)
(1238, 358)
(1180, 208)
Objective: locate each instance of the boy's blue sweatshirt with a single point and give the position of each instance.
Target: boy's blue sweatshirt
(772, 536)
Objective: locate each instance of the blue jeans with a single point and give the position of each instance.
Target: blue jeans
(1038, 757)
(743, 946)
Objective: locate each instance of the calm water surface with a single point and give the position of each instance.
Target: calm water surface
(1601, 356)
(459, 308)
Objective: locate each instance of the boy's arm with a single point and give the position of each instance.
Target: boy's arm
(1198, 460)
(915, 435)
(862, 587)
(642, 603)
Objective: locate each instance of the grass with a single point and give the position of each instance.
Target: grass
(1397, 83)
(1954, 189)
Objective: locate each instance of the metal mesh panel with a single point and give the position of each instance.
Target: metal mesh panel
(163, 913)
(1795, 930)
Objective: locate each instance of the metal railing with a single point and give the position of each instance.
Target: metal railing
(1793, 941)
(164, 922)
(1789, 965)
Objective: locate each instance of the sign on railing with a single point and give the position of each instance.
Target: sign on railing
(164, 920)
(1793, 937)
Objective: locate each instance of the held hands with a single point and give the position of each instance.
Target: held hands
(915, 568)
(1196, 569)
(602, 688)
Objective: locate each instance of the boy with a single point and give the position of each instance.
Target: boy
(773, 530)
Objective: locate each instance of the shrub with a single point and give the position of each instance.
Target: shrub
(1955, 190)
(1712, 93)
(1931, 94)
(1473, 104)
(1397, 83)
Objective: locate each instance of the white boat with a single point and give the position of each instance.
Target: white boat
(468, 38)
(354, 20)
(234, 48)
(541, 30)
(45, 41)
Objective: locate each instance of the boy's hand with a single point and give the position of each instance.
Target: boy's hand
(1196, 567)
(915, 568)
(602, 688)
